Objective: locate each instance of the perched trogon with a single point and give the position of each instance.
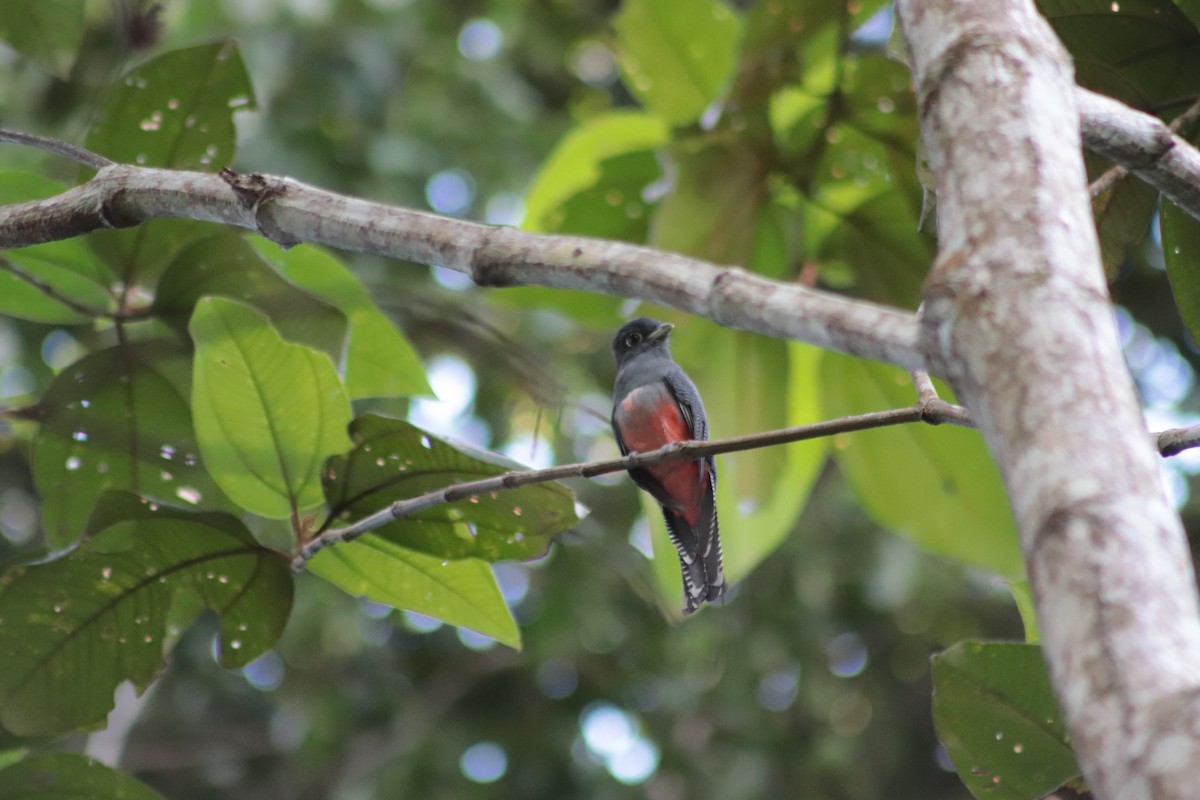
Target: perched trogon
(656, 403)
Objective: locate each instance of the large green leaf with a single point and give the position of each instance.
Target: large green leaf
(996, 715)
(936, 486)
(226, 265)
(175, 111)
(267, 411)
(1143, 52)
(69, 776)
(75, 627)
(68, 269)
(392, 460)
(1181, 250)
(380, 362)
(119, 418)
(462, 592)
(677, 55)
(48, 31)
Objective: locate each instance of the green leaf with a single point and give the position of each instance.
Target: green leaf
(226, 265)
(996, 715)
(937, 486)
(69, 267)
(713, 211)
(76, 627)
(380, 362)
(1181, 250)
(1022, 593)
(1145, 53)
(462, 593)
(48, 31)
(677, 55)
(1123, 213)
(392, 460)
(176, 110)
(267, 412)
(576, 164)
(119, 419)
(69, 776)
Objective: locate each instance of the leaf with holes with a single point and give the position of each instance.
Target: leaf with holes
(462, 593)
(393, 460)
(119, 419)
(268, 412)
(996, 715)
(62, 776)
(74, 628)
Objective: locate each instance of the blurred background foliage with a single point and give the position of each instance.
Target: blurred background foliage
(778, 135)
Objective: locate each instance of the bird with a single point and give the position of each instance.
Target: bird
(655, 403)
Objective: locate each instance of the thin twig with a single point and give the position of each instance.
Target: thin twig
(924, 385)
(934, 412)
(56, 146)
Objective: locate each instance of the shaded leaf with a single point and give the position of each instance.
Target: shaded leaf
(1145, 53)
(996, 715)
(392, 460)
(63, 776)
(118, 419)
(226, 265)
(176, 110)
(69, 267)
(937, 486)
(267, 412)
(677, 55)
(76, 627)
(1181, 251)
(380, 362)
(48, 31)
(462, 592)
(1123, 213)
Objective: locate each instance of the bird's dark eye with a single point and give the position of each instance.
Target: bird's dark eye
(633, 340)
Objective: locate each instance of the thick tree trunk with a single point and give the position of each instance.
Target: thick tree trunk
(1018, 317)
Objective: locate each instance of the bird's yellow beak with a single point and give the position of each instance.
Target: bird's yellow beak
(660, 332)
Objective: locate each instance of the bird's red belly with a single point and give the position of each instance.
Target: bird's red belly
(649, 418)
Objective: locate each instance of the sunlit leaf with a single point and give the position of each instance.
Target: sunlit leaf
(226, 265)
(75, 627)
(118, 418)
(392, 460)
(66, 776)
(996, 715)
(380, 362)
(462, 592)
(937, 486)
(677, 54)
(267, 412)
(48, 31)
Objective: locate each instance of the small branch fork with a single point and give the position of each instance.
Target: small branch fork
(929, 409)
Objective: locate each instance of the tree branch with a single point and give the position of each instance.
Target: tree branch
(932, 411)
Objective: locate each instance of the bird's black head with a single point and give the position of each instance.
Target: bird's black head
(640, 336)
